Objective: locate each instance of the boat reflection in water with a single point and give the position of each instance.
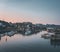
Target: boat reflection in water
(55, 42)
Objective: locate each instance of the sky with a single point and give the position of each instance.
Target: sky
(35, 11)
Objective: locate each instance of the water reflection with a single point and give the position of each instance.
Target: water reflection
(18, 42)
(55, 42)
(12, 33)
(54, 39)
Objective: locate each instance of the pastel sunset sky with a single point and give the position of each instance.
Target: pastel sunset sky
(35, 11)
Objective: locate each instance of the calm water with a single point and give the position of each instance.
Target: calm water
(32, 43)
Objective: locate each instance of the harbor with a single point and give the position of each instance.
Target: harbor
(51, 33)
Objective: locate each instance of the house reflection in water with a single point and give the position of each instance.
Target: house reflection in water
(12, 33)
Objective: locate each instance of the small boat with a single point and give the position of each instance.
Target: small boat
(57, 31)
(47, 35)
(55, 37)
(51, 30)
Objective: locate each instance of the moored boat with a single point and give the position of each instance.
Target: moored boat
(47, 35)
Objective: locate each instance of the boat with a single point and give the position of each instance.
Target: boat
(47, 35)
(51, 30)
(55, 37)
(57, 31)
